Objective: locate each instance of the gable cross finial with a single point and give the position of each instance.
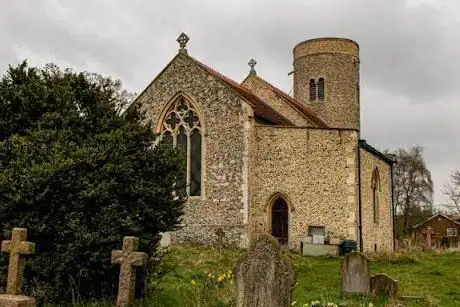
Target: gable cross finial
(252, 63)
(182, 40)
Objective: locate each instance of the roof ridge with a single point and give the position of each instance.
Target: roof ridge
(307, 112)
(263, 108)
(432, 217)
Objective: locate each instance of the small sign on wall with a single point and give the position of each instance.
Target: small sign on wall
(318, 235)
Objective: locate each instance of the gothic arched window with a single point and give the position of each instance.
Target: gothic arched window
(182, 128)
(321, 89)
(375, 185)
(312, 90)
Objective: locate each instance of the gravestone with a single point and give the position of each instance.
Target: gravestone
(355, 274)
(16, 246)
(263, 277)
(383, 285)
(128, 258)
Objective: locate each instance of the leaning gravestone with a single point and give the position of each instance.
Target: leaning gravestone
(16, 246)
(355, 274)
(383, 285)
(128, 258)
(263, 277)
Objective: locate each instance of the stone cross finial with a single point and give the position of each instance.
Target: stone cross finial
(16, 246)
(183, 40)
(128, 258)
(252, 63)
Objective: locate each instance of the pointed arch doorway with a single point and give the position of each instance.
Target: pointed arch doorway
(279, 217)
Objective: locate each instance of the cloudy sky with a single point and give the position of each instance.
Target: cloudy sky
(410, 51)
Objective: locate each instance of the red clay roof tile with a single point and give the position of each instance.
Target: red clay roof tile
(298, 105)
(261, 108)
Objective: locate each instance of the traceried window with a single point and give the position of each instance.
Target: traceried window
(376, 194)
(182, 129)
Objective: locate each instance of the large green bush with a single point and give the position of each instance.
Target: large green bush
(79, 177)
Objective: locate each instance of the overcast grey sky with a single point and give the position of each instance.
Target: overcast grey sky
(410, 52)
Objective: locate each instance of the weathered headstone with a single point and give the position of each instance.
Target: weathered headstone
(355, 274)
(263, 277)
(16, 246)
(128, 258)
(383, 285)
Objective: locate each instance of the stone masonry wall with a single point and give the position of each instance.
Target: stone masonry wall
(223, 204)
(381, 233)
(315, 170)
(337, 61)
(276, 102)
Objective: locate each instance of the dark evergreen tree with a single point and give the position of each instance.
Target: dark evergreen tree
(79, 177)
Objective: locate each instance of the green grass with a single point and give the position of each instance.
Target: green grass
(185, 282)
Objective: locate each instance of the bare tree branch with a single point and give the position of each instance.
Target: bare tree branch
(452, 191)
(413, 186)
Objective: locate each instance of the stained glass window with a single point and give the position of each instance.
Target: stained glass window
(182, 129)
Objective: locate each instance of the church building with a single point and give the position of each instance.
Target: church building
(262, 161)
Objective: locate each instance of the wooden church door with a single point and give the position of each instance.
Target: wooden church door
(280, 221)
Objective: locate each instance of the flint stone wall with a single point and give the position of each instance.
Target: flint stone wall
(315, 170)
(380, 233)
(279, 104)
(224, 200)
(337, 61)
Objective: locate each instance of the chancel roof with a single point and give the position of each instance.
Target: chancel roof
(261, 108)
(299, 106)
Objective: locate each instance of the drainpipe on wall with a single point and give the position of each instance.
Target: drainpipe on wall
(360, 218)
(393, 206)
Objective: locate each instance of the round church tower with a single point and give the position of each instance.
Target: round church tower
(326, 78)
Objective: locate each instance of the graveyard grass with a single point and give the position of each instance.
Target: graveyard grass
(199, 277)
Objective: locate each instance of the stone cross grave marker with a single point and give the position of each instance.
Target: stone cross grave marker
(263, 277)
(128, 258)
(15, 247)
(383, 285)
(429, 232)
(355, 274)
